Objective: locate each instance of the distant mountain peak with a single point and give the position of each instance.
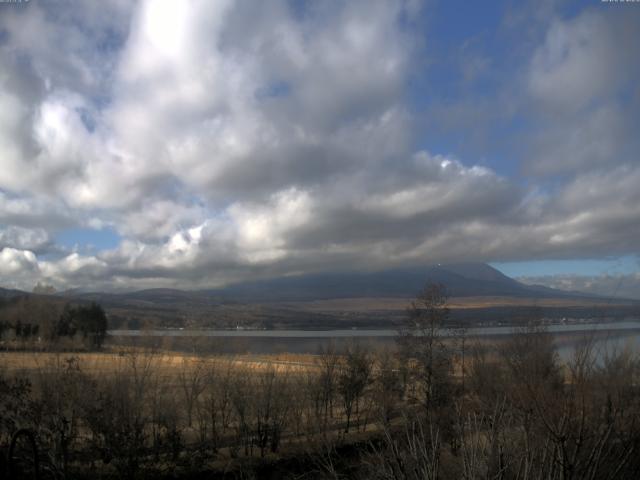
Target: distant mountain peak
(10, 293)
(460, 279)
(469, 279)
(476, 271)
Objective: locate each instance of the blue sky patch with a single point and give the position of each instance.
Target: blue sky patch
(88, 239)
(614, 266)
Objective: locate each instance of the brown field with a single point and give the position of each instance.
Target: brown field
(138, 413)
(364, 304)
(166, 363)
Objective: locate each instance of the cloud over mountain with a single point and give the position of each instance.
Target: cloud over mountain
(228, 140)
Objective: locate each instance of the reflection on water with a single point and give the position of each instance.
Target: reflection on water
(604, 345)
(608, 338)
(352, 333)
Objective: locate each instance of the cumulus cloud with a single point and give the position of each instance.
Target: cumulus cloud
(17, 261)
(228, 140)
(17, 267)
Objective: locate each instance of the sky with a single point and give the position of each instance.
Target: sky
(191, 144)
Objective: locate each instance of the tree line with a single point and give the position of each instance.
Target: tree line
(34, 319)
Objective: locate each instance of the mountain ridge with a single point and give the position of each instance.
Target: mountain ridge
(460, 279)
(343, 300)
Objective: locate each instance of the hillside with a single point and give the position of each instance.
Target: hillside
(461, 280)
(479, 294)
(6, 293)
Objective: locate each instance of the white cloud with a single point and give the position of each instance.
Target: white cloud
(14, 261)
(224, 140)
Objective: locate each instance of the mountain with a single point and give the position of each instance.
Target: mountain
(6, 293)
(342, 300)
(461, 280)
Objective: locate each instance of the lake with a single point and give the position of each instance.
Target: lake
(608, 335)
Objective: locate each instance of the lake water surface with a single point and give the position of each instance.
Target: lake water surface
(629, 325)
(608, 336)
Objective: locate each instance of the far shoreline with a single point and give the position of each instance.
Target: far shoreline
(475, 331)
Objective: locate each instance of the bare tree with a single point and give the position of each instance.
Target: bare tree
(242, 400)
(422, 342)
(271, 408)
(192, 378)
(118, 416)
(413, 453)
(387, 385)
(353, 379)
(328, 362)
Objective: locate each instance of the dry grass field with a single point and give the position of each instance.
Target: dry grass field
(140, 413)
(363, 304)
(167, 363)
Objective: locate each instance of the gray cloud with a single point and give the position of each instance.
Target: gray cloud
(231, 140)
(585, 60)
(34, 240)
(578, 79)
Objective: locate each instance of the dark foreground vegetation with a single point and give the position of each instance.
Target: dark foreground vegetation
(434, 408)
(46, 322)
